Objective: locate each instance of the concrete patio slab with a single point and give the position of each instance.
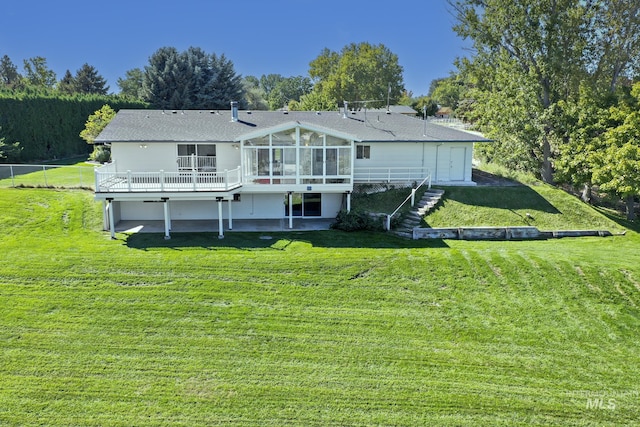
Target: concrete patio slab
(211, 226)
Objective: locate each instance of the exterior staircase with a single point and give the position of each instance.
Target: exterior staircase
(413, 219)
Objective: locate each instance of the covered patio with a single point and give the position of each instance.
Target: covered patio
(211, 226)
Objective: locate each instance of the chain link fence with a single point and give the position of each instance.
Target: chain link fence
(52, 176)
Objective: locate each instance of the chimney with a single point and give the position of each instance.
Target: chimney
(234, 111)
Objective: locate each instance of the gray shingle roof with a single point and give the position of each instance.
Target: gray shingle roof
(209, 126)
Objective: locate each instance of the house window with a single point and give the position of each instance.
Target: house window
(363, 151)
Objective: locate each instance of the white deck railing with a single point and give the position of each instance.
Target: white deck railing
(389, 175)
(199, 163)
(108, 180)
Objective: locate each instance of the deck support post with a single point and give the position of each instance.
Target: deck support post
(220, 223)
(112, 225)
(348, 201)
(167, 219)
(290, 195)
(230, 220)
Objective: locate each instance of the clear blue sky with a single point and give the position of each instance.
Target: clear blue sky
(258, 36)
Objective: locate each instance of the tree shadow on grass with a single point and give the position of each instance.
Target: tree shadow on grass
(277, 240)
(631, 225)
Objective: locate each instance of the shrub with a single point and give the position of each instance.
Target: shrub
(100, 154)
(355, 220)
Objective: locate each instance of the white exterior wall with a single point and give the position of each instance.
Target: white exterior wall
(436, 157)
(227, 157)
(136, 158)
(164, 155)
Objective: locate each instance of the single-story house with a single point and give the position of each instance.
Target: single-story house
(231, 164)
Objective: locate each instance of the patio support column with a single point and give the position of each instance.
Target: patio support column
(105, 215)
(290, 194)
(112, 226)
(220, 223)
(230, 216)
(167, 220)
(348, 201)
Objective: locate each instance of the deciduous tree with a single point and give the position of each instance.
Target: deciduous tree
(617, 166)
(96, 123)
(359, 73)
(38, 74)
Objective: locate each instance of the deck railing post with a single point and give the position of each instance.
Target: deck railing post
(226, 179)
(129, 180)
(194, 178)
(161, 180)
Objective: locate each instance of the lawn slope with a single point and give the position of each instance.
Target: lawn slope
(322, 328)
(541, 205)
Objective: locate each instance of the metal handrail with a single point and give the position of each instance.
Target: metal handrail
(411, 197)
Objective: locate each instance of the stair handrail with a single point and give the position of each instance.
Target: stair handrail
(411, 197)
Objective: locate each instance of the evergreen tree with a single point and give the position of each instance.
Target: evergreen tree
(87, 80)
(9, 76)
(131, 85)
(67, 84)
(191, 79)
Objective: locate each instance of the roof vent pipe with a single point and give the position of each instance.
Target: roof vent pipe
(234, 111)
(346, 107)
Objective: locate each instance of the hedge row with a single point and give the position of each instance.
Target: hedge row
(48, 125)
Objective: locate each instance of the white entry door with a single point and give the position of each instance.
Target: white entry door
(457, 165)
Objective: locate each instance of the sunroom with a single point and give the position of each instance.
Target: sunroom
(297, 156)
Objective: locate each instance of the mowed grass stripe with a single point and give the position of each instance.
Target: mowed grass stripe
(308, 329)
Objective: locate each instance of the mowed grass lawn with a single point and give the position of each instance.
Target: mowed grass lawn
(323, 328)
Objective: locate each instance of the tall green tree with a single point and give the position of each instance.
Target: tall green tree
(288, 89)
(254, 95)
(87, 80)
(37, 73)
(9, 76)
(531, 60)
(541, 41)
(617, 165)
(131, 84)
(358, 73)
(191, 79)
(614, 42)
(67, 84)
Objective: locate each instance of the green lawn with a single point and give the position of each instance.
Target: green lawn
(323, 328)
(548, 209)
(77, 175)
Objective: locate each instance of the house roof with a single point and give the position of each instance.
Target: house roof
(216, 126)
(402, 109)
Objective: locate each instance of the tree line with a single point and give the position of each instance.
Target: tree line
(41, 117)
(552, 83)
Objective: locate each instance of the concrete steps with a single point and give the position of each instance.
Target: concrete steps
(413, 219)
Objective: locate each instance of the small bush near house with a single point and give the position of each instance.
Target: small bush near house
(100, 154)
(355, 220)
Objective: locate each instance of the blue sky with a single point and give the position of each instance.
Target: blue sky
(258, 36)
